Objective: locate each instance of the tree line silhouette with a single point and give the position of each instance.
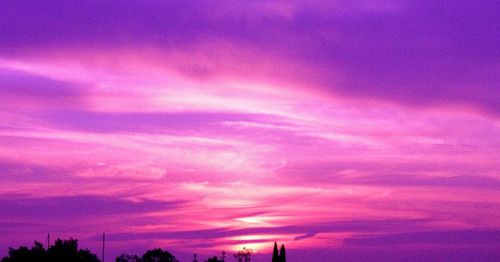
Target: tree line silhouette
(61, 251)
(67, 251)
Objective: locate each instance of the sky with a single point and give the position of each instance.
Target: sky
(346, 130)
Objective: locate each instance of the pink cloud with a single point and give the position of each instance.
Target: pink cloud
(250, 156)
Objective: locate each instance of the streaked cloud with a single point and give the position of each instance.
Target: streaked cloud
(345, 127)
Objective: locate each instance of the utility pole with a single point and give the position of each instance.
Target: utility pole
(48, 241)
(103, 239)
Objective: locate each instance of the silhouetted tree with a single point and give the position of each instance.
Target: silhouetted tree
(158, 255)
(62, 251)
(195, 258)
(244, 255)
(282, 254)
(276, 256)
(67, 250)
(22, 254)
(217, 259)
(214, 259)
(86, 255)
(38, 253)
(128, 258)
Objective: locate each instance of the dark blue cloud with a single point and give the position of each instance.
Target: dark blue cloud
(341, 226)
(19, 88)
(456, 237)
(65, 208)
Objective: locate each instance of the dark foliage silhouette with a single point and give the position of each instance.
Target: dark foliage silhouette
(61, 251)
(217, 259)
(158, 255)
(282, 254)
(36, 253)
(67, 251)
(276, 256)
(279, 256)
(244, 255)
(214, 259)
(128, 258)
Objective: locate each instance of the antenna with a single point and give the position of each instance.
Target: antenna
(103, 239)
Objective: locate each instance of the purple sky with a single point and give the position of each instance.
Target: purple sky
(346, 130)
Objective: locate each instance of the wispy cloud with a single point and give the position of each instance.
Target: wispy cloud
(321, 124)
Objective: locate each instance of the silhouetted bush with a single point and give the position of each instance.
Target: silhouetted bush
(158, 255)
(214, 259)
(128, 258)
(222, 258)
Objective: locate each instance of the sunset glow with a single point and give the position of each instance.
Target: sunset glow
(345, 129)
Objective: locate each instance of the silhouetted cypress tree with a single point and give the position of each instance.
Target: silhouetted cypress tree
(276, 256)
(282, 254)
